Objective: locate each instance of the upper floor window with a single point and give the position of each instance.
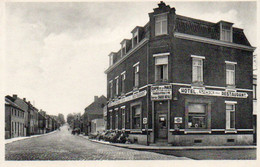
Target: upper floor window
(161, 24)
(123, 82)
(230, 73)
(117, 85)
(135, 39)
(197, 68)
(111, 89)
(136, 74)
(254, 88)
(226, 32)
(161, 68)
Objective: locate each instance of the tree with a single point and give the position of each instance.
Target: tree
(70, 118)
(61, 119)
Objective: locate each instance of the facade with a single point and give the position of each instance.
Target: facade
(93, 111)
(14, 119)
(185, 81)
(97, 125)
(41, 123)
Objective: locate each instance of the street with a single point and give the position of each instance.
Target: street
(62, 145)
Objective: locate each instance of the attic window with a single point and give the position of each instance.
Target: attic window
(161, 24)
(123, 48)
(111, 61)
(226, 32)
(136, 38)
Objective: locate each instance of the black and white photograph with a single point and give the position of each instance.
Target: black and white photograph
(157, 83)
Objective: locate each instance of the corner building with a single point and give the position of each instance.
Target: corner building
(190, 80)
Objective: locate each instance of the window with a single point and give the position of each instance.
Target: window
(111, 119)
(15, 112)
(136, 75)
(226, 32)
(230, 115)
(160, 24)
(136, 114)
(123, 117)
(123, 48)
(117, 85)
(111, 89)
(197, 69)
(116, 121)
(161, 68)
(197, 116)
(123, 82)
(135, 39)
(254, 91)
(230, 73)
(111, 61)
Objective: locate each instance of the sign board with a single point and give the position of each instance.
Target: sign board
(144, 120)
(205, 92)
(127, 98)
(177, 120)
(161, 92)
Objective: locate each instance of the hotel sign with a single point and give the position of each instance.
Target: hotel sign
(204, 92)
(128, 98)
(161, 92)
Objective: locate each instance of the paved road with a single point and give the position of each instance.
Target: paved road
(62, 145)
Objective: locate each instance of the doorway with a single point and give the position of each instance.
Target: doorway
(161, 125)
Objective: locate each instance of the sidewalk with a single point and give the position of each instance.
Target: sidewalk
(7, 141)
(144, 147)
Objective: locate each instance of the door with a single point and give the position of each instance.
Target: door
(162, 125)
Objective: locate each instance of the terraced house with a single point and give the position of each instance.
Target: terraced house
(190, 81)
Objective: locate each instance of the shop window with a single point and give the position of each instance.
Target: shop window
(116, 119)
(197, 116)
(136, 114)
(230, 115)
(111, 120)
(123, 117)
(136, 75)
(230, 73)
(161, 68)
(197, 69)
(161, 24)
(123, 76)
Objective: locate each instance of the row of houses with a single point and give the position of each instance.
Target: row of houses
(23, 119)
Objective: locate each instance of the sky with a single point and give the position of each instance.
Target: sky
(56, 53)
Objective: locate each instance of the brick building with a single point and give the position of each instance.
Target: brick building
(93, 111)
(190, 80)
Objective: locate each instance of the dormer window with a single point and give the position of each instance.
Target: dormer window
(161, 24)
(136, 36)
(111, 59)
(226, 31)
(123, 48)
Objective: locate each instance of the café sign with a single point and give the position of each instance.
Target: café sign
(205, 92)
(161, 92)
(127, 98)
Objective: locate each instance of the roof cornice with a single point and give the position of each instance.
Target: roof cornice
(130, 52)
(212, 41)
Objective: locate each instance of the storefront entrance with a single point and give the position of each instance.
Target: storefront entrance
(161, 125)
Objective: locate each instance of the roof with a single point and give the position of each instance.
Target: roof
(96, 107)
(207, 29)
(9, 100)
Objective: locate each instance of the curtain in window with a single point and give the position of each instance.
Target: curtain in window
(197, 70)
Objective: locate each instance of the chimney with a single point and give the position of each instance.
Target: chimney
(24, 99)
(95, 98)
(15, 96)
